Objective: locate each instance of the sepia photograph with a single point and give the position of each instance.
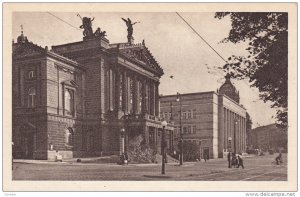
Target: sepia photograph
(186, 96)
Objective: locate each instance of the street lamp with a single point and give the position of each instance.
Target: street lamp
(178, 99)
(122, 133)
(164, 124)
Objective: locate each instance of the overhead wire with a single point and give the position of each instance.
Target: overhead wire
(190, 26)
(201, 37)
(64, 21)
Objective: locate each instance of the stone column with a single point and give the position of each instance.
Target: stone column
(152, 99)
(149, 97)
(156, 99)
(221, 129)
(117, 90)
(143, 110)
(146, 134)
(124, 93)
(136, 96)
(111, 90)
(129, 104)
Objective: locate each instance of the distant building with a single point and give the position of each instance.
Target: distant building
(268, 137)
(77, 97)
(215, 121)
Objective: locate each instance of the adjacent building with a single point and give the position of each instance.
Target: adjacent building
(269, 137)
(76, 98)
(215, 121)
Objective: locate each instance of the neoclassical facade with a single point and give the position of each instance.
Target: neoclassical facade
(215, 121)
(77, 97)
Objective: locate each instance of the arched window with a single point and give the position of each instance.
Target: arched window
(69, 137)
(69, 102)
(31, 74)
(31, 97)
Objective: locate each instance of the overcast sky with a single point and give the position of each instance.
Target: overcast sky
(179, 51)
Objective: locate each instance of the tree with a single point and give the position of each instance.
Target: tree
(191, 151)
(266, 66)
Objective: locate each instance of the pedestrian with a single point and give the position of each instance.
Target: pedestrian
(278, 159)
(126, 158)
(233, 160)
(240, 161)
(205, 157)
(58, 156)
(229, 157)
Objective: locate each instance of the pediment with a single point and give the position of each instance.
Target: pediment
(142, 54)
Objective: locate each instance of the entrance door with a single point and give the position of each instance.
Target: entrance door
(206, 152)
(28, 145)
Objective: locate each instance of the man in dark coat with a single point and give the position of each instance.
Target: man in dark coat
(240, 161)
(234, 160)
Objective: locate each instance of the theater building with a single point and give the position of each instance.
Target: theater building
(215, 121)
(77, 97)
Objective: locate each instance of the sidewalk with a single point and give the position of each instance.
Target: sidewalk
(113, 161)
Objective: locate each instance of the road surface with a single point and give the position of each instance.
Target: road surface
(257, 168)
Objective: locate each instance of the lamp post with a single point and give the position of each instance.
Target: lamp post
(164, 124)
(122, 133)
(178, 99)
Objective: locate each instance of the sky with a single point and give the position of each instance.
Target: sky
(178, 50)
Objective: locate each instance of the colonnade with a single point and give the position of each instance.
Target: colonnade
(132, 93)
(234, 131)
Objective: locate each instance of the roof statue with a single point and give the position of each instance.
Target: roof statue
(88, 30)
(129, 25)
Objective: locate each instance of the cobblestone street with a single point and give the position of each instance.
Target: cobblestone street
(257, 168)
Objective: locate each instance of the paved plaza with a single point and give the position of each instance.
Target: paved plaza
(257, 168)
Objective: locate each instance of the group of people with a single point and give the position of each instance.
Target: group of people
(235, 160)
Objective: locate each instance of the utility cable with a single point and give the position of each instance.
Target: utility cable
(201, 37)
(63, 21)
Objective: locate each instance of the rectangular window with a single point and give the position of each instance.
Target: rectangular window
(194, 129)
(151, 138)
(184, 115)
(184, 130)
(194, 114)
(189, 129)
(69, 102)
(189, 116)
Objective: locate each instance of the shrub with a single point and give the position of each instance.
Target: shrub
(139, 152)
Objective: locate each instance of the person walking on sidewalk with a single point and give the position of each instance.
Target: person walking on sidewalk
(240, 161)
